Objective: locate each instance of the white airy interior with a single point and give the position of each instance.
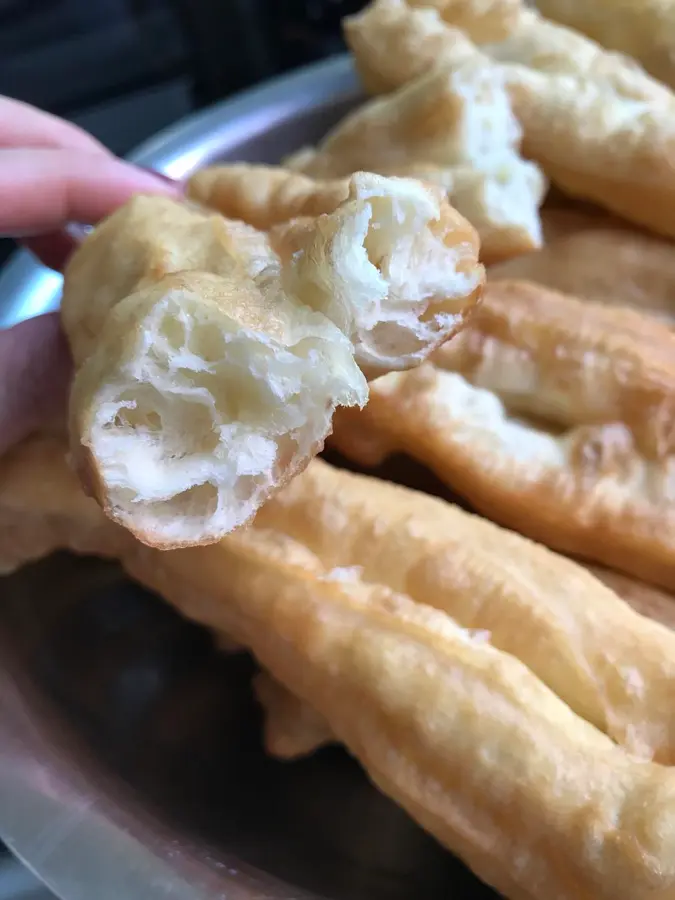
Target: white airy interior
(393, 274)
(207, 415)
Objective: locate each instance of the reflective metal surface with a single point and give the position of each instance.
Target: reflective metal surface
(131, 765)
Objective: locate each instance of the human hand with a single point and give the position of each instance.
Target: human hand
(51, 174)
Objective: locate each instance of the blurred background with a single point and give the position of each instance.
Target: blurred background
(124, 69)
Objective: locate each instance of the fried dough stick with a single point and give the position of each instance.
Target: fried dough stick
(551, 415)
(527, 601)
(209, 366)
(500, 195)
(293, 730)
(643, 29)
(461, 735)
(598, 125)
(614, 266)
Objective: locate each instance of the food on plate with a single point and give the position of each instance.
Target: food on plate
(642, 29)
(462, 735)
(293, 730)
(342, 589)
(599, 126)
(452, 126)
(615, 266)
(549, 414)
(523, 598)
(209, 364)
(517, 703)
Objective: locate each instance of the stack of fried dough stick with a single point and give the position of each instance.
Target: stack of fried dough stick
(500, 693)
(516, 702)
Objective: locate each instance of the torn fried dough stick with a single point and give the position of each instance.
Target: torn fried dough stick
(199, 387)
(452, 126)
(394, 267)
(529, 602)
(599, 126)
(205, 381)
(552, 416)
(614, 266)
(463, 736)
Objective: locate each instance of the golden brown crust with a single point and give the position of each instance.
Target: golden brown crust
(519, 780)
(642, 29)
(460, 734)
(292, 729)
(524, 599)
(614, 266)
(552, 416)
(264, 196)
(597, 124)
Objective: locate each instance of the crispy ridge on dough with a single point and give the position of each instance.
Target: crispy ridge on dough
(457, 731)
(552, 415)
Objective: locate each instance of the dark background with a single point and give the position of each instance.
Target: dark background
(124, 69)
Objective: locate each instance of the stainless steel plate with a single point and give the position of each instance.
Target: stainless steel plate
(130, 755)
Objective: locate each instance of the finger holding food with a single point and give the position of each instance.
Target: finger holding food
(209, 367)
